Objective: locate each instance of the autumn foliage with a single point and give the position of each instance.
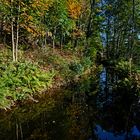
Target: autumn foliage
(74, 9)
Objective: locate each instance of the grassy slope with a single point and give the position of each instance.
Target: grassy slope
(38, 70)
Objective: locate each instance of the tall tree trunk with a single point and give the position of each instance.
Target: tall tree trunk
(17, 39)
(54, 38)
(13, 41)
(92, 4)
(88, 28)
(17, 33)
(133, 28)
(12, 29)
(107, 39)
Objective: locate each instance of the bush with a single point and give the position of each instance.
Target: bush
(76, 67)
(19, 80)
(86, 62)
(123, 68)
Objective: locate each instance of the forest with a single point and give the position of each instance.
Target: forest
(72, 59)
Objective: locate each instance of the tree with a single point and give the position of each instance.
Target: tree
(20, 14)
(58, 22)
(120, 27)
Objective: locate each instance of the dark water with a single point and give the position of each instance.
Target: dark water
(93, 109)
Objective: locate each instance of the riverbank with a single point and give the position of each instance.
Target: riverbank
(67, 112)
(37, 71)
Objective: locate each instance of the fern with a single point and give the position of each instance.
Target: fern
(19, 80)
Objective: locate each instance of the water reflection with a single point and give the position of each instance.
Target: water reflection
(83, 111)
(116, 111)
(102, 134)
(106, 135)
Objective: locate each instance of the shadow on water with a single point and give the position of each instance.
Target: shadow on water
(93, 109)
(117, 109)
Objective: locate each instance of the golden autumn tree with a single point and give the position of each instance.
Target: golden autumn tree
(33, 17)
(74, 9)
(27, 15)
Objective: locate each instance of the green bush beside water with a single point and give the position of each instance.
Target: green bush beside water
(21, 80)
(34, 73)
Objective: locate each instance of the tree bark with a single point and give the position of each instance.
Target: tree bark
(17, 35)
(12, 30)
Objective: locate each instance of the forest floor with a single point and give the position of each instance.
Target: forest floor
(67, 64)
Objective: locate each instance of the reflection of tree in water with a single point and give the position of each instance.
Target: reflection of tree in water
(116, 113)
(63, 116)
(73, 113)
(78, 122)
(80, 115)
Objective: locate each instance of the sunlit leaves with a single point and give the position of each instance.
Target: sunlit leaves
(74, 9)
(30, 14)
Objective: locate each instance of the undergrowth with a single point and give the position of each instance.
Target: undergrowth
(35, 72)
(21, 80)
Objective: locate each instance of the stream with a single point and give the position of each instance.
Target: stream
(93, 109)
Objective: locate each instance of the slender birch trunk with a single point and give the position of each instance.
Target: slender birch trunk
(16, 47)
(13, 42)
(17, 34)
(12, 29)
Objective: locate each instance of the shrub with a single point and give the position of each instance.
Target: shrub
(76, 67)
(86, 62)
(19, 80)
(123, 68)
